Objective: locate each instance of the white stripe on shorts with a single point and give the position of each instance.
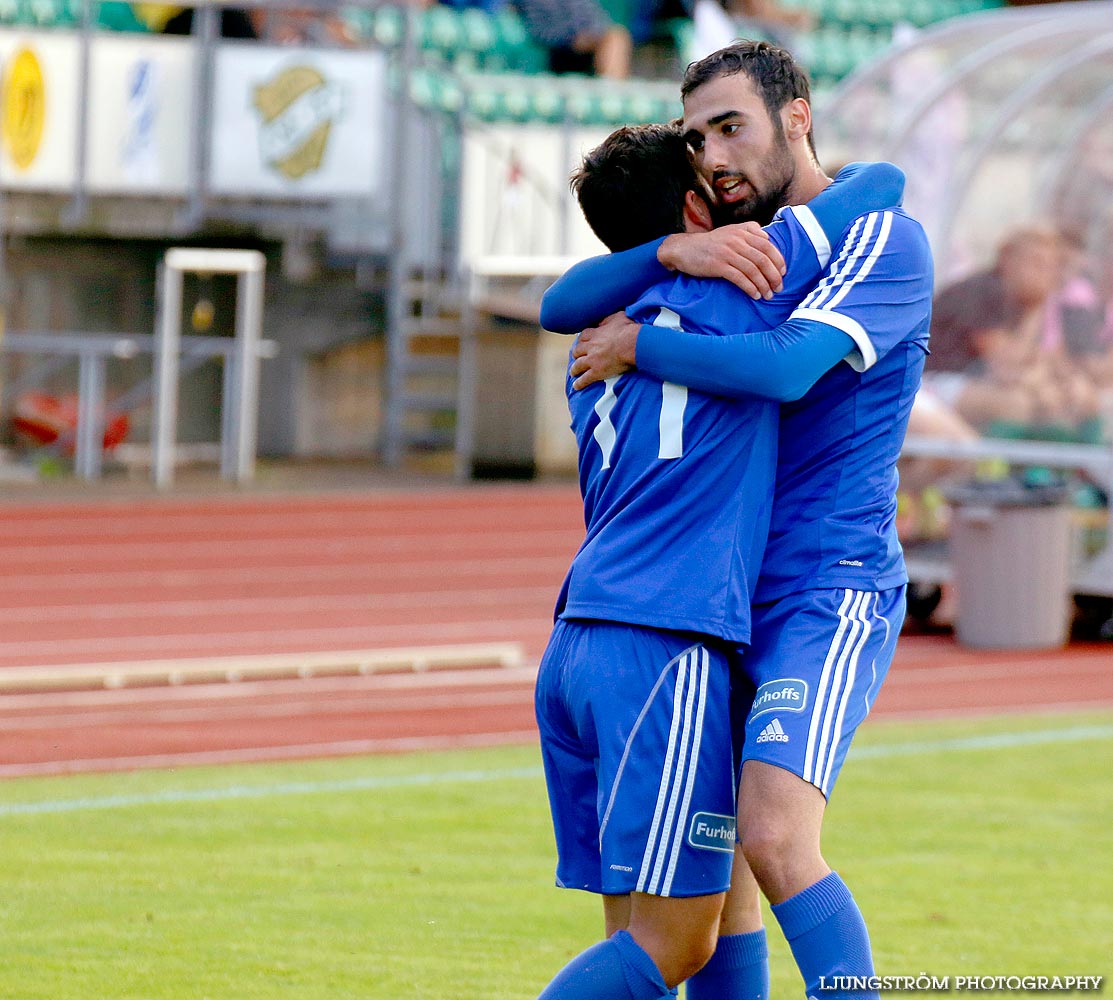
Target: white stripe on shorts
(678, 772)
(690, 778)
(848, 688)
(830, 691)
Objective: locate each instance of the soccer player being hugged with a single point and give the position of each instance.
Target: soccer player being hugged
(829, 600)
(634, 690)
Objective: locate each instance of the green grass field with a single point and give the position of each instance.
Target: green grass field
(980, 847)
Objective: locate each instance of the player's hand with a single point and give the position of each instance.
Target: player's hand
(742, 253)
(604, 351)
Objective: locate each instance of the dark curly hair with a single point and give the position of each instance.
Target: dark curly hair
(632, 186)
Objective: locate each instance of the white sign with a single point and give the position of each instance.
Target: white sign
(516, 200)
(140, 114)
(298, 122)
(38, 110)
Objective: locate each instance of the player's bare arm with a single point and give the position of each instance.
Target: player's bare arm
(603, 351)
(743, 254)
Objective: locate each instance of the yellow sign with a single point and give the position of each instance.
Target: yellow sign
(24, 108)
(297, 108)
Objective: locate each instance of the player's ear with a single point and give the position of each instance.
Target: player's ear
(796, 117)
(697, 216)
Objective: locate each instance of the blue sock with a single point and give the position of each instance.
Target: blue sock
(828, 938)
(739, 970)
(615, 969)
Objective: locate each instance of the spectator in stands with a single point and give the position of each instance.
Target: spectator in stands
(718, 22)
(490, 6)
(1081, 315)
(1007, 344)
(645, 18)
(168, 19)
(277, 25)
(302, 26)
(580, 36)
(1024, 275)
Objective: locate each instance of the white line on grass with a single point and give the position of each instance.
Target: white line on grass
(236, 792)
(992, 741)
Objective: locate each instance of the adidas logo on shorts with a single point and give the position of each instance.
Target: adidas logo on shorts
(773, 733)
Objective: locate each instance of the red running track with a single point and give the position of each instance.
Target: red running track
(113, 581)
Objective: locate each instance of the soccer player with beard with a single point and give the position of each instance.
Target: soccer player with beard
(830, 598)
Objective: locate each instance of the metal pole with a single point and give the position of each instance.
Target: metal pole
(79, 203)
(89, 446)
(206, 30)
(249, 323)
(168, 336)
(396, 317)
(229, 411)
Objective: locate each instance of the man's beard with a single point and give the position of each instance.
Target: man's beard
(761, 206)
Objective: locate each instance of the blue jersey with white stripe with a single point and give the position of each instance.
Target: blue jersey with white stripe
(678, 484)
(834, 518)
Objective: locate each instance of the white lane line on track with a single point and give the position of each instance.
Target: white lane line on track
(291, 574)
(1020, 669)
(312, 708)
(406, 600)
(85, 648)
(112, 522)
(1048, 666)
(37, 559)
(992, 741)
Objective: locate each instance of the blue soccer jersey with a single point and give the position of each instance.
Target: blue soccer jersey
(678, 484)
(860, 340)
(834, 518)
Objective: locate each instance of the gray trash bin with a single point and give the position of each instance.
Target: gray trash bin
(1010, 552)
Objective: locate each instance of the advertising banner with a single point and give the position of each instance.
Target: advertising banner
(290, 122)
(516, 199)
(141, 92)
(39, 109)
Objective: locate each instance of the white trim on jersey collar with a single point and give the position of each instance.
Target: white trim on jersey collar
(814, 231)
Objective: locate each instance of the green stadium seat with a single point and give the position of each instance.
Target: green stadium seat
(478, 32)
(118, 16)
(389, 26)
(441, 30)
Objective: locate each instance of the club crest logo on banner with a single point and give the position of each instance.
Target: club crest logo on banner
(298, 109)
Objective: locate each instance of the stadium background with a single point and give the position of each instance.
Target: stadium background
(408, 193)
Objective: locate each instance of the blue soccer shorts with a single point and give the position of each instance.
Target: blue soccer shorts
(637, 746)
(814, 667)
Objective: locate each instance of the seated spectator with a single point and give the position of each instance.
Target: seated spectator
(1020, 387)
(646, 18)
(235, 22)
(580, 36)
(1024, 275)
(1081, 318)
(717, 23)
(490, 6)
(1006, 350)
(302, 26)
(276, 25)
